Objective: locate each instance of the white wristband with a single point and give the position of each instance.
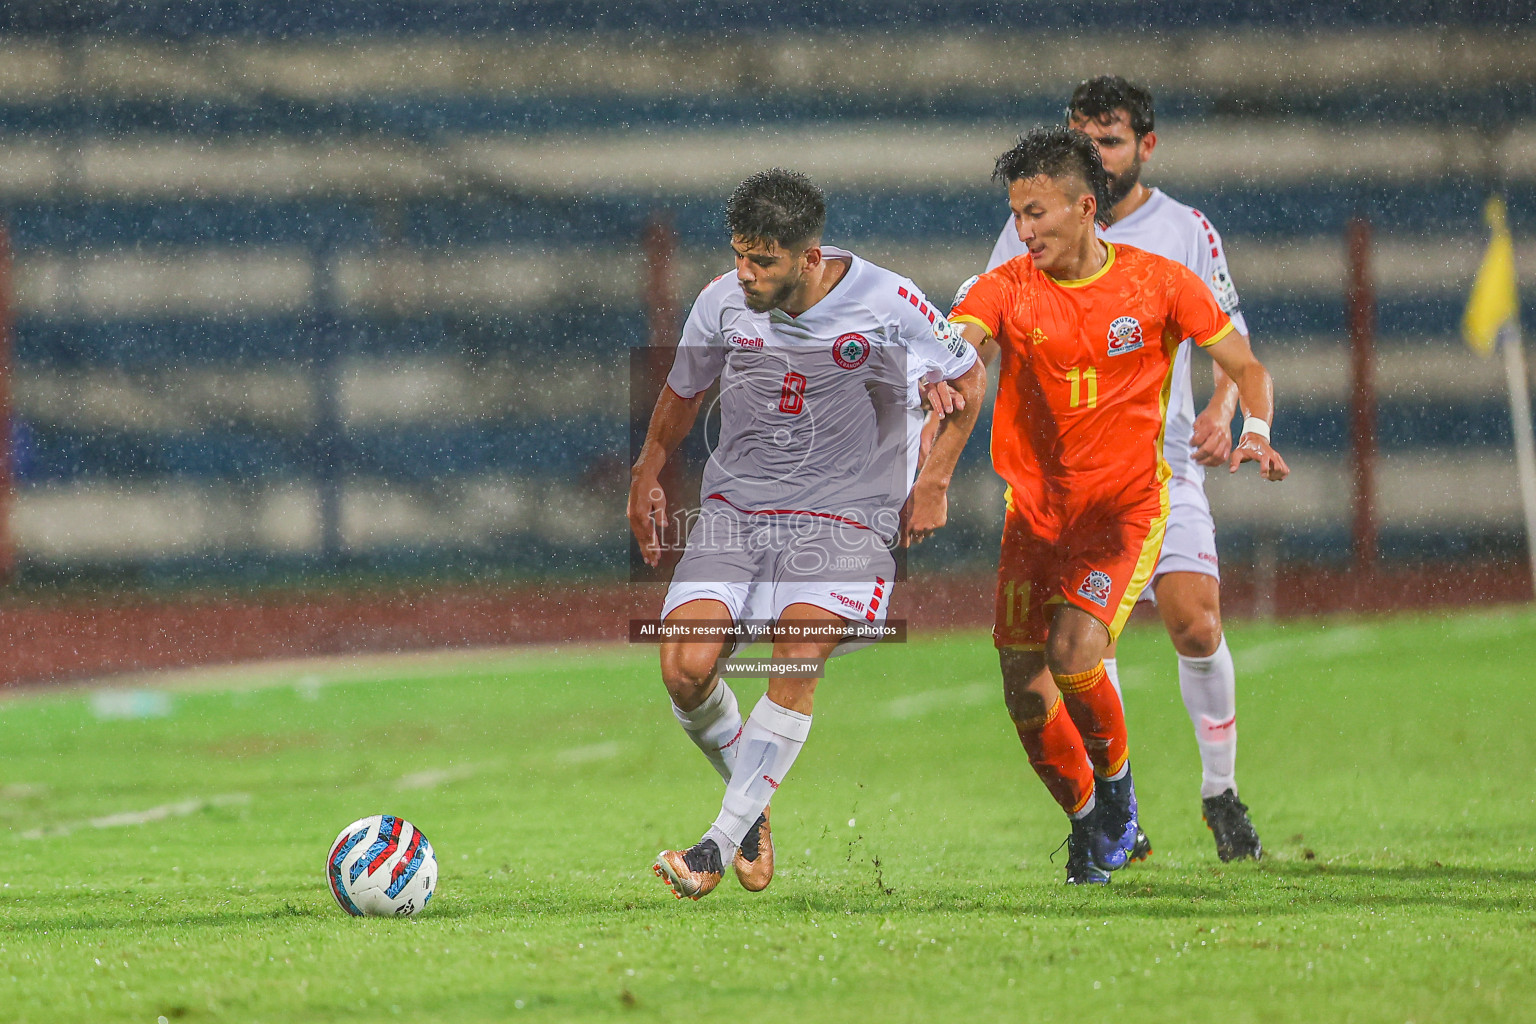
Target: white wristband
(1254, 425)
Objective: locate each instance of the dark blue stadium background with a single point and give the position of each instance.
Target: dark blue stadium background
(538, 459)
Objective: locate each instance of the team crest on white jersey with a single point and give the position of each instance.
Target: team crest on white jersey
(1125, 335)
(850, 351)
(1095, 587)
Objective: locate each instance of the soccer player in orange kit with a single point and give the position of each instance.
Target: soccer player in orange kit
(1087, 332)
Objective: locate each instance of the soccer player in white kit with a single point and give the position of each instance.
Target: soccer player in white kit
(1118, 117)
(820, 356)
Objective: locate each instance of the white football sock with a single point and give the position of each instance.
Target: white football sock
(715, 726)
(1209, 686)
(769, 744)
(1112, 669)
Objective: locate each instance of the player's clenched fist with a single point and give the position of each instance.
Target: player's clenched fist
(1210, 438)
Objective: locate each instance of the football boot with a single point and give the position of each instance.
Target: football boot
(693, 872)
(1117, 805)
(1081, 870)
(754, 858)
(1227, 818)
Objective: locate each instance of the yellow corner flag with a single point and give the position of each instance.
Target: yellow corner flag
(1495, 299)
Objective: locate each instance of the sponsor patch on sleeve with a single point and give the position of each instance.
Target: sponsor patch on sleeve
(1224, 290)
(964, 290)
(950, 338)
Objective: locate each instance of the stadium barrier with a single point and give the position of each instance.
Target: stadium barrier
(60, 641)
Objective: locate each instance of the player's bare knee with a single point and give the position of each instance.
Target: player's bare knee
(688, 672)
(1196, 637)
(1068, 654)
(799, 650)
(794, 694)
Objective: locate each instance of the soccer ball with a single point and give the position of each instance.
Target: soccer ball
(381, 866)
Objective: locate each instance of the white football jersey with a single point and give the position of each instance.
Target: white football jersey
(1170, 229)
(818, 412)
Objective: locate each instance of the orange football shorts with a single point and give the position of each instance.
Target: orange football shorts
(1100, 562)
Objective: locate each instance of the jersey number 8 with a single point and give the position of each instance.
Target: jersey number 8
(792, 394)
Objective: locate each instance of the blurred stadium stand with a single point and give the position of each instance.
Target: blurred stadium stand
(353, 287)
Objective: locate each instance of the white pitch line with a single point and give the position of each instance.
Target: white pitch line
(915, 704)
(431, 778)
(591, 752)
(1335, 643)
(179, 809)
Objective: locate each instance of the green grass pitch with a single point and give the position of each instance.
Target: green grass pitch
(171, 866)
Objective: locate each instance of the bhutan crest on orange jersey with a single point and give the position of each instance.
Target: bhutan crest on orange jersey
(850, 351)
(1095, 587)
(1125, 335)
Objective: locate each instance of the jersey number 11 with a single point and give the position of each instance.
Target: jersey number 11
(1084, 380)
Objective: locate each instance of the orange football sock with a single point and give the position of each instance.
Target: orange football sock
(1096, 710)
(1056, 752)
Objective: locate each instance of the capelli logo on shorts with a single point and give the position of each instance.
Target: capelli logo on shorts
(1096, 588)
(1125, 335)
(848, 601)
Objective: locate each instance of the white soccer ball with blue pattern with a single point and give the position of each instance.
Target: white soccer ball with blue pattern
(381, 867)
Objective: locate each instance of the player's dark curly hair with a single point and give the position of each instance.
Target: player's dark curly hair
(1058, 152)
(1100, 97)
(777, 206)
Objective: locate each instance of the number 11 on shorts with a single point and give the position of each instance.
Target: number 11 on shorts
(1015, 601)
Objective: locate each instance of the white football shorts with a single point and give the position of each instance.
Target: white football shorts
(757, 565)
(1189, 545)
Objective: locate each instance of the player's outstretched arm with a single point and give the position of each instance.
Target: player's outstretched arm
(1211, 438)
(1257, 391)
(671, 421)
(930, 495)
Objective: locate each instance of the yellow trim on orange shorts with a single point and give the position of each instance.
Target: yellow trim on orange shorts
(1146, 564)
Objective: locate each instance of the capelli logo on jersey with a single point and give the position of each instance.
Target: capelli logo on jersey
(850, 351)
(741, 342)
(1125, 335)
(1095, 587)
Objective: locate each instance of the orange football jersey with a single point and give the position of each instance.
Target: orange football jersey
(1086, 366)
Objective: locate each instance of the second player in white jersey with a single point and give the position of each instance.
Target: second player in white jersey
(1167, 227)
